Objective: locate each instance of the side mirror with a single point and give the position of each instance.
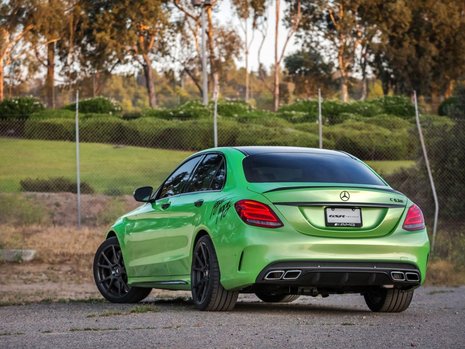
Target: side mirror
(143, 194)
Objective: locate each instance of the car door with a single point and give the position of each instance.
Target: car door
(157, 238)
(185, 213)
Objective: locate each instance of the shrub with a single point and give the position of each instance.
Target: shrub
(390, 122)
(54, 185)
(303, 106)
(19, 107)
(98, 105)
(365, 108)
(18, 210)
(369, 142)
(106, 130)
(51, 129)
(396, 105)
(131, 115)
(233, 108)
(455, 105)
(53, 114)
(297, 116)
(188, 111)
(448, 106)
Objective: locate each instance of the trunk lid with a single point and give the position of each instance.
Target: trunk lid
(313, 209)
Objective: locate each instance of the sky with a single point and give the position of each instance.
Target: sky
(226, 15)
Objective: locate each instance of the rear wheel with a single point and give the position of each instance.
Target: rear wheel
(207, 291)
(271, 297)
(110, 275)
(391, 300)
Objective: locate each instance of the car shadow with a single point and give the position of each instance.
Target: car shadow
(244, 306)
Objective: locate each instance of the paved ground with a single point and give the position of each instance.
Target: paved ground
(436, 319)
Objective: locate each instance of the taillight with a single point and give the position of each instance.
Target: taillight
(414, 219)
(258, 214)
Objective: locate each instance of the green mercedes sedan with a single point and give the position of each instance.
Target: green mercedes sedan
(279, 222)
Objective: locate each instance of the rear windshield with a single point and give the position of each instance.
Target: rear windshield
(307, 167)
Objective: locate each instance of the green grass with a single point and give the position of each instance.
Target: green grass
(388, 167)
(104, 166)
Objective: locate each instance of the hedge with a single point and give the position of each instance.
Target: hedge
(98, 105)
(370, 142)
(19, 107)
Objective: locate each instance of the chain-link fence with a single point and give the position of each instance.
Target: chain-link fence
(38, 156)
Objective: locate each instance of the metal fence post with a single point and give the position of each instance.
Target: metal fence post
(428, 168)
(320, 122)
(215, 111)
(78, 165)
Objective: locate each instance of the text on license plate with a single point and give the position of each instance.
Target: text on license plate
(343, 217)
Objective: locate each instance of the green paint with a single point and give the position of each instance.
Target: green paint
(157, 244)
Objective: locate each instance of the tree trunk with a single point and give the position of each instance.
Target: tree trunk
(149, 81)
(276, 60)
(50, 79)
(364, 88)
(211, 44)
(1, 80)
(246, 62)
(344, 89)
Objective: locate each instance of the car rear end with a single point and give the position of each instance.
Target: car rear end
(320, 222)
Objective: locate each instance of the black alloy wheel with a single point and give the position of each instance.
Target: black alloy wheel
(207, 291)
(110, 275)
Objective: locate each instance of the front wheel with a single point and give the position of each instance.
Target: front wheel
(391, 300)
(207, 291)
(110, 275)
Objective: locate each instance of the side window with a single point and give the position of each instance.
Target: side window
(206, 174)
(220, 177)
(178, 179)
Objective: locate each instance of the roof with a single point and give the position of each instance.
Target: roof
(255, 150)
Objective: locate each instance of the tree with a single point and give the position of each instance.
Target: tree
(308, 70)
(16, 21)
(48, 30)
(126, 31)
(336, 24)
(294, 16)
(420, 44)
(223, 47)
(246, 10)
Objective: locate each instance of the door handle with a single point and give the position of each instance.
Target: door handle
(165, 205)
(198, 203)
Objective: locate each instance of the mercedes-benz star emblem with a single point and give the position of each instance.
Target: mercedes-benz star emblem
(344, 195)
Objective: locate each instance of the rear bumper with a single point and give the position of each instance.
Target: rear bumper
(246, 258)
(339, 275)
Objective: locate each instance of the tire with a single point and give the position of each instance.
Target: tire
(207, 291)
(270, 297)
(391, 300)
(110, 275)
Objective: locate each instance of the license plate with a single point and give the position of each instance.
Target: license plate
(343, 217)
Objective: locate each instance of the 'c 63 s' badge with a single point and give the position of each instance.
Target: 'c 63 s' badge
(344, 195)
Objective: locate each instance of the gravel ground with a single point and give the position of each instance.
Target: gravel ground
(436, 319)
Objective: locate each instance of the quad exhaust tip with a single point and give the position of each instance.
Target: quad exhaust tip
(412, 276)
(274, 275)
(292, 274)
(283, 275)
(408, 276)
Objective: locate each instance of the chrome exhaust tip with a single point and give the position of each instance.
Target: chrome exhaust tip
(412, 276)
(274, 275)
(292, 275)
(397, 276)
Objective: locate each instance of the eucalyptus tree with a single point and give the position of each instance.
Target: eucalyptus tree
(223, 43)
(249, 11)
(132, 32)
(17, 19)
(335, 28)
